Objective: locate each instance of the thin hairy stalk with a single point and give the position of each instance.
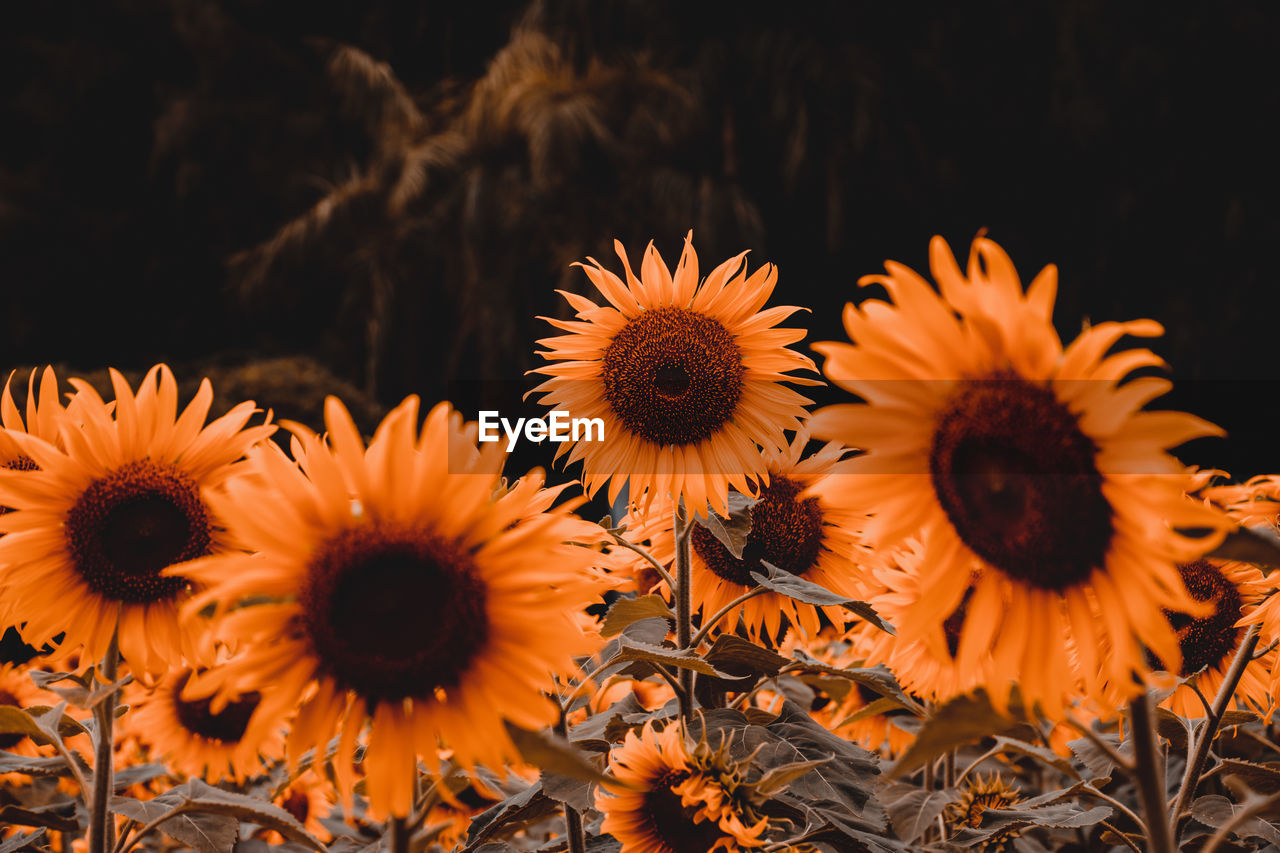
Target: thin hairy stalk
(572, 820)
(677, 687)
(1150, 775)
(1208, 730)
(1117, 805)
(708, 624)
(683, 592)
(654, 564)
(102, 828)
(1245, 814)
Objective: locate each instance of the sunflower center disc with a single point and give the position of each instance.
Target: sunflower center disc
(392, 613)
(130, 525)
(673, 376)
(1209, 641)
(1017, 478)
(785, 531)
(298, 805)
(672, 823)
(228, 726)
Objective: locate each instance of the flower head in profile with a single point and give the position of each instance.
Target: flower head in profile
(793, 527)
(686, 375)
(1030, 473)
(975, 797)
(118, 498)
(676, 797)
(400, 584)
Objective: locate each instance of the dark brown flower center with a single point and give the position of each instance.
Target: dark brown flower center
(133, 523)
(22, 463)
(11, 740)
(673, 376)
(1206, 642)
(672, 823)
(785, 531)
(393, 612)
(1018, 479)
(228, 726)
(298, 804)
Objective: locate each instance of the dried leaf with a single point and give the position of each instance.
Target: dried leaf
(793, 586)
(731, 531)
(628, 610)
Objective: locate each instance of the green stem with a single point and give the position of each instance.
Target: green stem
(683, 592)
(1150, 775)
(101, 826)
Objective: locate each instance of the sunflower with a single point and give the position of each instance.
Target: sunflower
(976, 796)
(1034, 482)
(43, 410)
(674, 799)
(195, 740)
(95, 523)
(685, 376)
(402, 584)
(1209, 643)
(793, 526)
(926, 666)
(309, 798)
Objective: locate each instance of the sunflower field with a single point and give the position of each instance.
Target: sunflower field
(977, 605)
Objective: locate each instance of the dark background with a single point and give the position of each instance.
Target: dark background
(379, 197)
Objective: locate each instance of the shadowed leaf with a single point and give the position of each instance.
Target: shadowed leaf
(731, 532)
(208, 833)
(1214, 810)
(1263, 778)
(22, 840)
(18, 816)
(202, 797)
(508, 816)
(913, 810)
(959, 722)
(792, 586)
(628, 610)
(632, 650)
(1256, 545)
(555, 754)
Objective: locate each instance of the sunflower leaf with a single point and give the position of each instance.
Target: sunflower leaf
(555, 754)
(957, 723)
(777, 779)
(631, 650)
(730, 531)
(208, 833)
(913, 810)
(199, 796)
(1256, 545)
(625, 611)
(1214, 810)
(37, 723)
(1263, 778)
(52, 766)
(20, 842)
(792, 586)
(883, 705)
(1004, 821)
(18, 816)
(508, 816)
(741, 657)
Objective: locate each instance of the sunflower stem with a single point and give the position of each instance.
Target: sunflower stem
(399, 835)
(101, 827)
(1208, 730)
(723, 612)
(572, 820)
(681, 526)
(1150, 775)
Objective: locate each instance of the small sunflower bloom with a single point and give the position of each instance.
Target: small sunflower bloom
(400, 584)
(674, 798)
(1035, 481)
(794, 526)
(685, 374)
(103, 512)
